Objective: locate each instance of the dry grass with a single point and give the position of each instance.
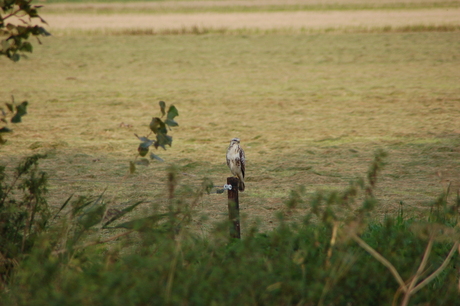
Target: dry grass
(226, 6)
(292, 21)
(310, 110)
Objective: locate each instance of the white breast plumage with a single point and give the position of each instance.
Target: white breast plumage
(236, 161)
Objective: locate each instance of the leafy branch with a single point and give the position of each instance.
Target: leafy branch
(19, 27)
(160, 129)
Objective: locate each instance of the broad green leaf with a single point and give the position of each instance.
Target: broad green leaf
(142, 149)
(153, 156)
(16, 118)
(26, 47)
(44, 32)
(146, 144)
(163, 107)
(23, 31)
(37, 30)
(154, 124)
(21, 110)
(5, 130)
(171, 122)
(172, 112)
(162, 140)
(15, 57)
(33, 12)
(157, 126)
(144, 139)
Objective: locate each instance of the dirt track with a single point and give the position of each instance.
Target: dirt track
(268, 20)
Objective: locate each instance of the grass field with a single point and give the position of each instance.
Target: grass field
(224, 6)
(310, 109)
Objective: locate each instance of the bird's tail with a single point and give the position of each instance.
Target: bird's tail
(241, 185)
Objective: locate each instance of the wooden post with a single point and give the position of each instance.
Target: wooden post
(234, 207)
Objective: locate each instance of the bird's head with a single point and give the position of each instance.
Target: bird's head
(235, 141)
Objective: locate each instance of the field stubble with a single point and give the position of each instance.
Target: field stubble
(313, 21)
(310, 110)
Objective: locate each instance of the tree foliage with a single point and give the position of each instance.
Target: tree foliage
(18, 21)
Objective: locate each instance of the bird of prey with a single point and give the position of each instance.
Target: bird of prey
(236, 161)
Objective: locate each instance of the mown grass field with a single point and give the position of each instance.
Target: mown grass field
(225, 6)
(310, 109)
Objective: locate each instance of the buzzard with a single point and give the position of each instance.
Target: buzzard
(236, 161)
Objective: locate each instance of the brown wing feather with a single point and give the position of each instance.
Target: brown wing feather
(243, 161)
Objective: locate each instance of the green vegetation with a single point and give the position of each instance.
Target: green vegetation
(23, 218)
(311, 108)
(311, 262)
(17, 25)
(160, 129)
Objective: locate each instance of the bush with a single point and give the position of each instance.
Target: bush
(23, 216)
(333, 257)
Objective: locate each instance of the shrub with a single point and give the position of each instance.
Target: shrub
(336, 256)
(24, 212)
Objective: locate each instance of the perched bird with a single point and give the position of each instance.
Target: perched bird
(236, 161)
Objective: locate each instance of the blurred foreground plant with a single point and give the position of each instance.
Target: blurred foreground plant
(24, 212)
(340, 212)
(17, 24)
(90, 257)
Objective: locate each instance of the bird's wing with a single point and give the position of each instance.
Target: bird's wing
(242, 161)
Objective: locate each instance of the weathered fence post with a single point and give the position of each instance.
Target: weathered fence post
(234, 208)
